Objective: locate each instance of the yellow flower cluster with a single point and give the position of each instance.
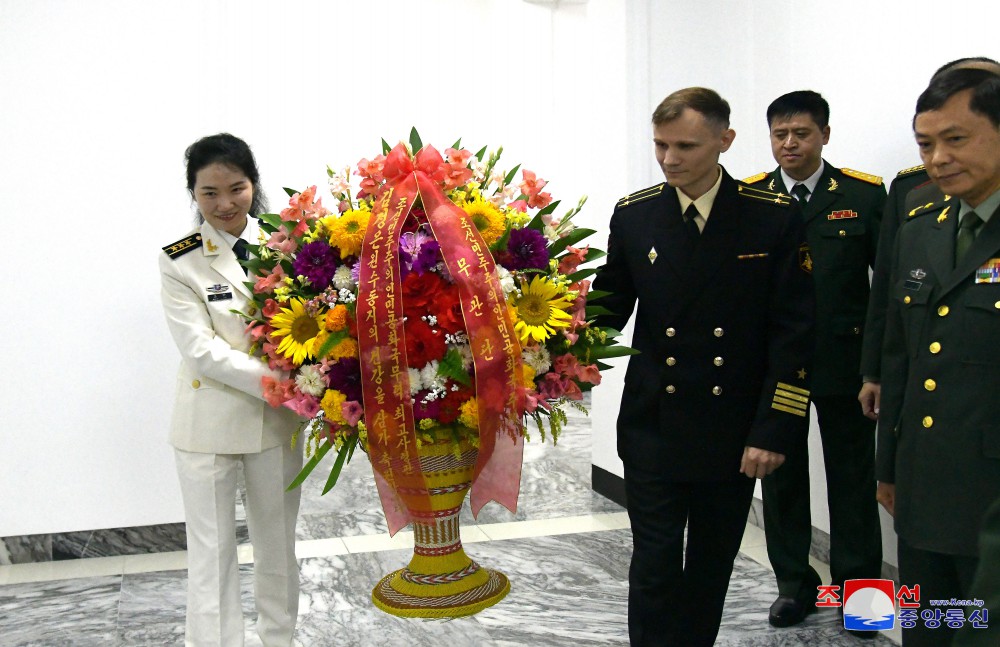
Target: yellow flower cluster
(348, 231)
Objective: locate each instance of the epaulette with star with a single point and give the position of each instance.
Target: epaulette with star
(183, 246)
(641, 196)
(765, 196)
(864, 177)
(912, 170)
(754, 179)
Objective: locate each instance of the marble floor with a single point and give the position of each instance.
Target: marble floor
(566, 552)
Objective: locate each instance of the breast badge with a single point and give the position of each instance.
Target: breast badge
(989, 272)
(651, 255)
(805, 258)
(218, 292)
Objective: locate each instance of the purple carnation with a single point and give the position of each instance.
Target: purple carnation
(345, 376)
(317, 261)
(526, 250)
(418, 251)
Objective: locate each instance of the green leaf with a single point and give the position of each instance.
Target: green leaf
(594, 311)
(330, 342)
(272, 220)
(594, 295)
(458, 144)
(415, 142)
(610, 332)
(607, 352)
(480, 153)
(549, 209)
(310, 465)
(571, 238)
(593, 254)
(338, 465)
(385, 147)
(290, 192)
(510, 175)
(579, 275)
(451, 366)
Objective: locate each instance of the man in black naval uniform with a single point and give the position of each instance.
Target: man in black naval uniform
(719, 391)
(911, 189)
(842, 209)
(938, 459)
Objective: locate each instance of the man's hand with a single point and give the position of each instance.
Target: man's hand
(758, 463)
(870, 398)
(886, 495)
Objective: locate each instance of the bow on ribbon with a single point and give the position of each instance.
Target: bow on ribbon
(495, 349)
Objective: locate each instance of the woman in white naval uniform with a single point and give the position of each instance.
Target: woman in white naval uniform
(220, 419)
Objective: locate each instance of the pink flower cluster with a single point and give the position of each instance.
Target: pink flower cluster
(370, 172)
(302, 209)
(532, 186)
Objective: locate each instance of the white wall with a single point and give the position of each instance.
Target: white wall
(869, 59)
(99, 101)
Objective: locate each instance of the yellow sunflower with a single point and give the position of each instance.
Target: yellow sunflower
(488, 219)
(298, 331)
(348, 231)
(541, 309)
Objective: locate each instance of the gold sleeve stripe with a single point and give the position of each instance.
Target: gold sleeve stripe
(801, 414)
(791, 403)
(793, 389)
(791, 396)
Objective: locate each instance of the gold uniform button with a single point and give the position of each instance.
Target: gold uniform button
(718, 332)
(196, 384)
(997, 305)
(943, 311)
(935, 348)
(857, 330)
(716, 390)
(930, 385)
(928, 422)
(671, 389)
(842, 233)
(671, 332)
(907, 299)
(718, 361)
(671, 361)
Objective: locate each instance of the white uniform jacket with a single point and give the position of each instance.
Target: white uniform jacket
(219, 406)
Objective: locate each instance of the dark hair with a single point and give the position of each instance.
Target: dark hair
(714, 108)
(985, 88)
(798, 103)
(971, 62)
(230, 151)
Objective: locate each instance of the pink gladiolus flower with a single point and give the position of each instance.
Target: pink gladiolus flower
(589, 373)
(305, 405)
(277, 393)
(257, 331)
(564, 364)
(531, 184)
(372, 168)
(352, 412)
(280, 241)
(457, 157)
(551, 387)
(572, 260)
(270, 308)
(520, 205)
(540, 200)
(271, 281)
(572, 390)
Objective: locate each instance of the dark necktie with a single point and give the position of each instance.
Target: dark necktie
(966, 234)
(690, 224)
(801, 193)
(240, 249)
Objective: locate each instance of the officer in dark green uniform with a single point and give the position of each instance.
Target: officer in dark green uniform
(938, 460)
(842, 210)
(902, 203)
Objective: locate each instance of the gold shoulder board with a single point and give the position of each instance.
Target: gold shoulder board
(753, 179)
(766, 196)
(864, 177)
(910, 171)
(183, 246)
(641, 196)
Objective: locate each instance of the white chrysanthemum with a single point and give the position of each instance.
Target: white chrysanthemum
(309, 381)
(507, 283)
(430, 377)
(346, 296)
(342, 279)
(465, 350)
(415, 382)
(538, 358)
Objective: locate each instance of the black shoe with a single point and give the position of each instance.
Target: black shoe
(788, 611)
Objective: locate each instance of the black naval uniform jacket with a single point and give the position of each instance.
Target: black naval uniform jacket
(939, 425)
(842, 218)
(724, 330)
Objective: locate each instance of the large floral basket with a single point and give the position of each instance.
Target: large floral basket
(426, 322)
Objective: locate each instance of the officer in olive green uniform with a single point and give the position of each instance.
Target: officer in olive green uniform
(842, 210)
